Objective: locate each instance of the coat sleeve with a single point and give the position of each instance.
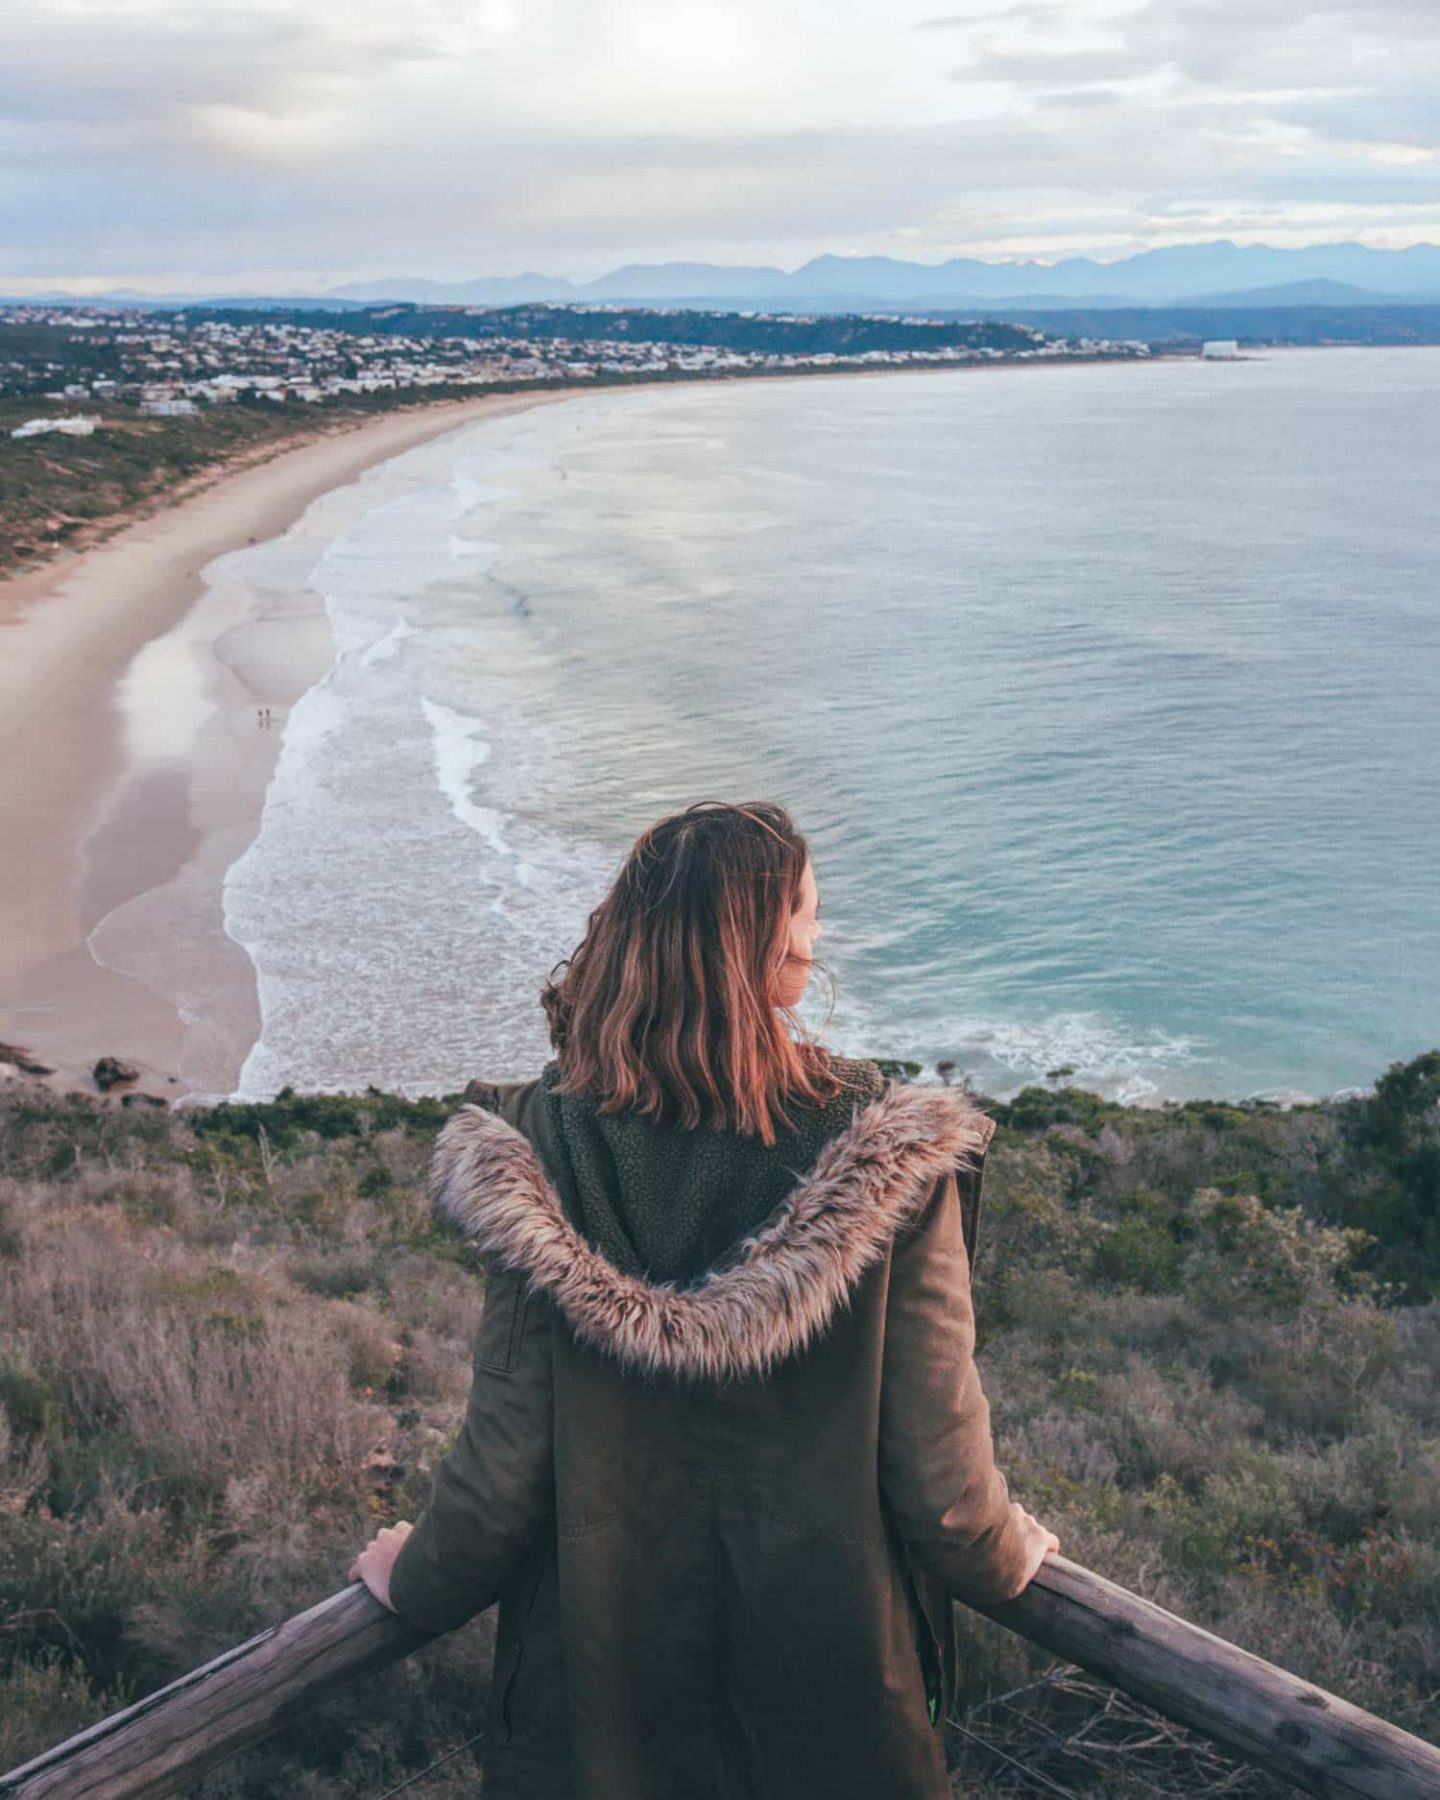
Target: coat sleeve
(937, 1459)
(495, 1489)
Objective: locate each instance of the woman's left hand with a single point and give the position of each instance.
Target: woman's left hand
(375, 1561)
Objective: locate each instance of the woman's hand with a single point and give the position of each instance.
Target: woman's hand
(377, 1559)
(1039, 1542)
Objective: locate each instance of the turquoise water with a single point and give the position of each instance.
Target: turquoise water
(1107, 696)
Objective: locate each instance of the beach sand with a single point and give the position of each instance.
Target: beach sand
(108, 793)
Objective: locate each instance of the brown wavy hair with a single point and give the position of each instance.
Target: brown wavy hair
(669, 1006)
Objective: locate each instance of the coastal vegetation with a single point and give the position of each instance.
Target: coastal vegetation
(233, 1340)
(59, 493)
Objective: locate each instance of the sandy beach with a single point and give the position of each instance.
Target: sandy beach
(108, 793)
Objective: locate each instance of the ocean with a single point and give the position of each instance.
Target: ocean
(1107, 696)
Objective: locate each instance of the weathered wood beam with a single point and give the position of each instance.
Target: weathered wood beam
(206, 1716)
(1320, 1743)
(1260, 1713)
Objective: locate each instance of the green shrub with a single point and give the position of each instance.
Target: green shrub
(10, 1238)
(1080, 1388)
(31, 1403)
(1245, 1254)
(1142, 1251)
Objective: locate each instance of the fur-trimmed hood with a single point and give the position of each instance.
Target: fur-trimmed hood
(781, 1285)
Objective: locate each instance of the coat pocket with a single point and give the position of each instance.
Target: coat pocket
(502, 1322)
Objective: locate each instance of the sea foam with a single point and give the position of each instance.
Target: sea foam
(460, 748)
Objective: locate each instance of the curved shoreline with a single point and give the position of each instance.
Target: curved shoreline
(85, 1000)
(89, 825)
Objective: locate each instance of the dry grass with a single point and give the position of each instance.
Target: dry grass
(220, 1365)
(232, 1342)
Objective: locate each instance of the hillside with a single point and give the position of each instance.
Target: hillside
(64, 493)
(831, 335)
(232, 1341)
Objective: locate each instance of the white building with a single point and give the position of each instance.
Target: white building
(168, 408)
(1220, 350)
(77, 426)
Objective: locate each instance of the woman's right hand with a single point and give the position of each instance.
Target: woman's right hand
(1039, 1542)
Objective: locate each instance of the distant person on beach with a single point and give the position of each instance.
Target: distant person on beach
(726, 1458)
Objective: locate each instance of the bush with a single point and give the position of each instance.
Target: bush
(1144, 1249)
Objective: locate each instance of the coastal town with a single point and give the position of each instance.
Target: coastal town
(108, 408)
(168, 363)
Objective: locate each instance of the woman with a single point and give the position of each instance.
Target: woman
(726, 1457)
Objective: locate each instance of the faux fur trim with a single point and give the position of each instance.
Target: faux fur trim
(789, 1278)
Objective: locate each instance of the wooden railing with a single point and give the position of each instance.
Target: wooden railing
(1320, 1743)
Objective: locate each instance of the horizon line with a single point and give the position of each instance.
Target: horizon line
(76, 286)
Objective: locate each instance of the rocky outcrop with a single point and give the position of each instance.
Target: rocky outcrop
(110, 1072)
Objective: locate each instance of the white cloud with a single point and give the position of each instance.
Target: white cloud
(347, 137)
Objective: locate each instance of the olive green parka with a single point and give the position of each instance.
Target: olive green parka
(723, 1518)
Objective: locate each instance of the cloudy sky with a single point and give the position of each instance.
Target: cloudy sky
(296, 143)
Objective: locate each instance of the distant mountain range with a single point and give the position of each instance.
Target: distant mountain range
(1218, 273)
(1213, 274)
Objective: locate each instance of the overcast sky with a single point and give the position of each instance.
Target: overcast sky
(277, 143)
